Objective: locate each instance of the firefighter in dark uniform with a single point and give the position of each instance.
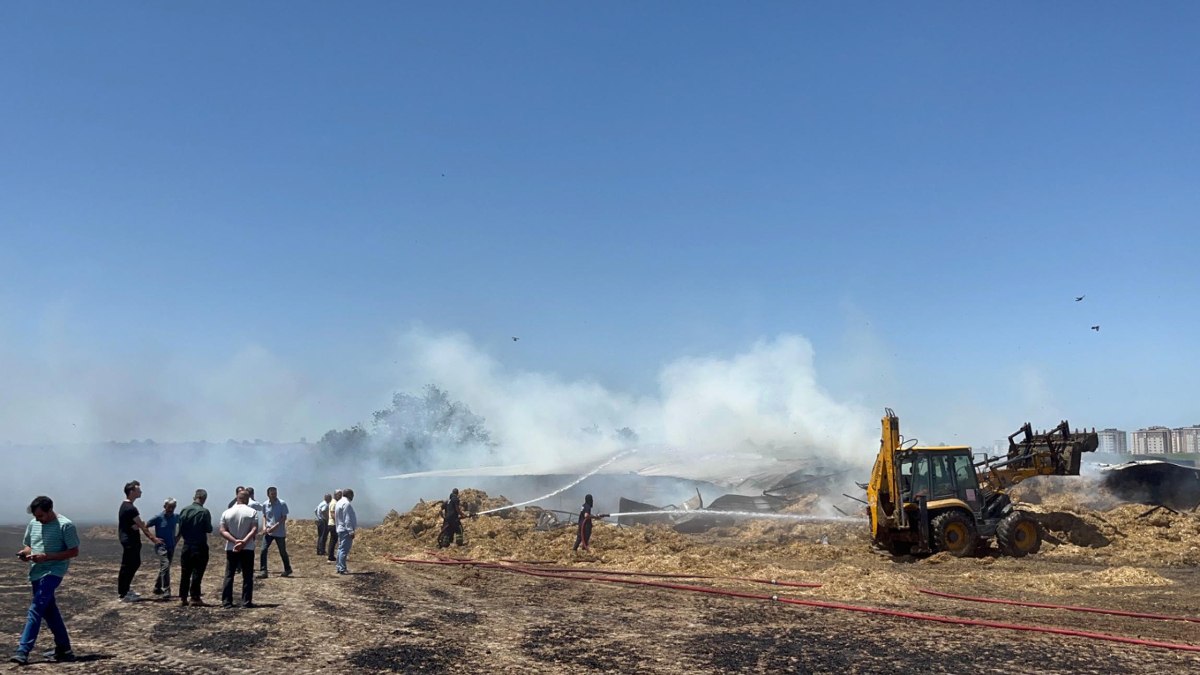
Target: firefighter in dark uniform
(583, 535)
(452, 515)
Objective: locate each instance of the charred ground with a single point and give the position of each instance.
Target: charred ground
(390, 617)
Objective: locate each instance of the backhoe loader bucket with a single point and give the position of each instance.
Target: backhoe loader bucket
(1060, 445)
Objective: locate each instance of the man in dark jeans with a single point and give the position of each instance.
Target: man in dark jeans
(332, 526)
(275, 516)
(195, 524)
(129, 522)
(239, 525)
(322, 513)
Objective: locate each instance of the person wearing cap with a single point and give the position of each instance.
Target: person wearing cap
(165, 524)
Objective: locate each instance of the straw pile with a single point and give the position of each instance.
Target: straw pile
(748, 547)
(1124, 547)
(1123, 535)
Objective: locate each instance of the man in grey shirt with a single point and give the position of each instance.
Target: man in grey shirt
(275, 516)
(239, 525)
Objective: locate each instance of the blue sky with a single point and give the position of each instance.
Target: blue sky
(292, 188)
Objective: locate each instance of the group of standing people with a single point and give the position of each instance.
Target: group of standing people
(240, 525)
(51, 540)
(336, 525)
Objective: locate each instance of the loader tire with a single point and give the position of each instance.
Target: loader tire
(1019, 535)
(955, 533)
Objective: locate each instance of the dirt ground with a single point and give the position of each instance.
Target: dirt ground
(390, 617)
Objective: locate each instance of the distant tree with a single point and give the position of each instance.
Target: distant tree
(354, 441)
(627, 435)
(415, 427)
(409, 433)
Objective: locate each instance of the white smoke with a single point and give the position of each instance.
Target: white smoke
(766, 399)
(60, 405)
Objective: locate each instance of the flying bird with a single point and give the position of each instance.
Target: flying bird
(515, 338)
(1096, 328)
(1079, 298)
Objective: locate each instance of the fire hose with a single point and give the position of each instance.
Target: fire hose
(580, 575)
(1070, 608)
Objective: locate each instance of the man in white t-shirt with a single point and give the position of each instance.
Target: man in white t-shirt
(239, 525)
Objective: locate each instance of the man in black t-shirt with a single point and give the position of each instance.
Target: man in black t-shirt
(129, 523)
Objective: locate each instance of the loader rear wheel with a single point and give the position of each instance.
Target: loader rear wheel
(955, 533)
(1019, 535)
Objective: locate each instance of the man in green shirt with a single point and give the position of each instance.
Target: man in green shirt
(195, 524)
(50, 543)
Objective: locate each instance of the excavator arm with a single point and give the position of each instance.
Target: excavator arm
(883, 492)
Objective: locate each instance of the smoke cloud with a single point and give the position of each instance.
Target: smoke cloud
(765, 402)
(710, 415)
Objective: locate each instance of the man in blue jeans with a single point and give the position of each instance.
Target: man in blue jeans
(347, 523)
(50, 543)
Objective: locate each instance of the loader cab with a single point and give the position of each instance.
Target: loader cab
(937, 474)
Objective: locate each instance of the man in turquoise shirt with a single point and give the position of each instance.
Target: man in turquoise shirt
(50, 543)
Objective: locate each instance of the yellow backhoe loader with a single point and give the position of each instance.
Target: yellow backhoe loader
(937, 498)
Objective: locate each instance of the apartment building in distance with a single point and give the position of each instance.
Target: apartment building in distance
(1113, 441)
(1163, 441)
(1186, 439)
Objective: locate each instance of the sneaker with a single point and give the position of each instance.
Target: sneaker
(261, 575)
(19, 658)
(197, 602)
(61, 655)
(286, 574)
(166, 596)
(249, 605)
(158, 591)
(130, 597)
(227, 605)
(183, 602)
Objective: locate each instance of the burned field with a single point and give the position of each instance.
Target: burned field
(430, 617)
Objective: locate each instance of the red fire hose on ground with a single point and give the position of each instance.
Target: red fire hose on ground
(1070, 608)
(571, 574)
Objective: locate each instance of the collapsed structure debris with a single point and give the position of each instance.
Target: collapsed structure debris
(781, 492)
(1155, 483)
